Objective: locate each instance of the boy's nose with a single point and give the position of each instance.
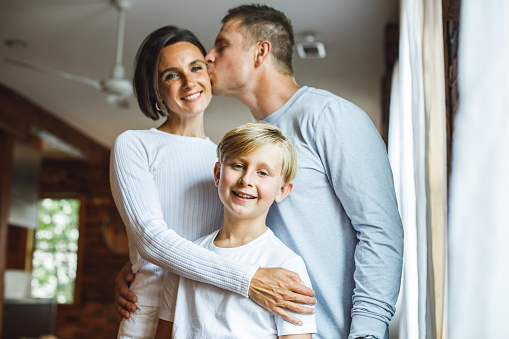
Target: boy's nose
(245, 179)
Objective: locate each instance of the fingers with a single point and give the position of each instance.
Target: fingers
(125, 299)
(122, 313)
(127, 272)
(123, 304)
(298, 308)
(286, 316)
(279, 290)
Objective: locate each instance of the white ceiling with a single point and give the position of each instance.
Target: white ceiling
(79, 36)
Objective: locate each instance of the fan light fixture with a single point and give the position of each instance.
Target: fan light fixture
(311, 48)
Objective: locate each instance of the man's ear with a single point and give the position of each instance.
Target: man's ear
(217, 173)
(263, 49)
(283, 192)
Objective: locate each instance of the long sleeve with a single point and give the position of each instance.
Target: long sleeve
(140, 179)
(359, 171)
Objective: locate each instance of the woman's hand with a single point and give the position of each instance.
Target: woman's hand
(124, 299)
(279, 290)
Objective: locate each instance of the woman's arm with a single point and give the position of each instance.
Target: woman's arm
(136, 196)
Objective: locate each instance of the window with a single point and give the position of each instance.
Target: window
(55, 257)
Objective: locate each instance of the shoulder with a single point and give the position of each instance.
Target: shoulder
(313, 107)
(278, 250)
(133, 136)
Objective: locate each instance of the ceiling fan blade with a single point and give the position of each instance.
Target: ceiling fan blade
(84, 80)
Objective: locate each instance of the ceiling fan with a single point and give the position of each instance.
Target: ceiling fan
(117, 86)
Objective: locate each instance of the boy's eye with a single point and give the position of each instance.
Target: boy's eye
(263, 173)
(238, 166)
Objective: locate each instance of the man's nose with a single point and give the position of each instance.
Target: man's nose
(209, 58)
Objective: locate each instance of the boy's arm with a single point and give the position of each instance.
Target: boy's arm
(164, 329)
(294, 336)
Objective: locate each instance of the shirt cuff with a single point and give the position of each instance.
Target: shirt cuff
(246, 283)
(362, 326)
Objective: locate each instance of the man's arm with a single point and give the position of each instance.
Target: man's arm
(359, 171)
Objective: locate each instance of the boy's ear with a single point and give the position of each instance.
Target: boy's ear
(283, 192)
(217, 173)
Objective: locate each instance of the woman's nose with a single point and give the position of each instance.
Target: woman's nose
(189, 82)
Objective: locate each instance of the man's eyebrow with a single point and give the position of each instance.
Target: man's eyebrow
(218, 40)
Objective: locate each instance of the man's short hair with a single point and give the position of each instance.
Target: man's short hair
(260, 22)
(248, 138)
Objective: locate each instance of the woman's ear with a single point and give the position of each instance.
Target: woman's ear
(217, 173)
(263, 49)
(283, 192)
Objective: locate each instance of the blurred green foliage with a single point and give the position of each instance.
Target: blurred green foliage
(55, 256)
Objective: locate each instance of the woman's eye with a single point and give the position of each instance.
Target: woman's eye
(196, 68)
(171, 76)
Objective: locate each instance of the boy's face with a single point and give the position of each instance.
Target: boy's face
(248, 185)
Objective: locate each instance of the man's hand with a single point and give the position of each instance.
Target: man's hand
(278, 289)
(125, 299)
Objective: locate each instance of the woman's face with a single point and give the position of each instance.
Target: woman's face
(184, 84)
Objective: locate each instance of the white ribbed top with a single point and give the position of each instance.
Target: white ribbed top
(163, 187)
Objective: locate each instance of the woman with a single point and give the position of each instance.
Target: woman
(162, 179)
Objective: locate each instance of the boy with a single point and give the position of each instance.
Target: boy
(255, 168)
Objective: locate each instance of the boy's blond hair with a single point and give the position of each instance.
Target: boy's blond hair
(248, 138)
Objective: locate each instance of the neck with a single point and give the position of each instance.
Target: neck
(192, 127)
(237, 232)
(269, 94)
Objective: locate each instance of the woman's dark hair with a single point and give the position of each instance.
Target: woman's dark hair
(146, 86)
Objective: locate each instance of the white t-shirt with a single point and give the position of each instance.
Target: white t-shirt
(205, 311)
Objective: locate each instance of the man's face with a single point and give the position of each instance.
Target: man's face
(228, 62)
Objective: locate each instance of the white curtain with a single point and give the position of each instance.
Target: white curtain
(417, 147)
(479, 204)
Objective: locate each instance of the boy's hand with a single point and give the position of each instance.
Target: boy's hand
(277, 289)
(124, 298)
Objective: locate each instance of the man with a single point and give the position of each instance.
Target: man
(342, 216)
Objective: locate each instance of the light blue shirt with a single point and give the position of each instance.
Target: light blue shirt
(342, 216)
